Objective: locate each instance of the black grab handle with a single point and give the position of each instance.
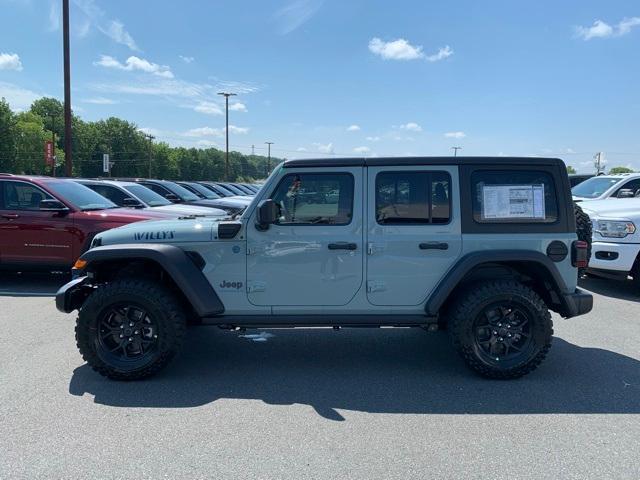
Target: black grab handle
(343, 246)
(434, 246)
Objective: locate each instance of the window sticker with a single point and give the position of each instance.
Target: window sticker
(513, 201)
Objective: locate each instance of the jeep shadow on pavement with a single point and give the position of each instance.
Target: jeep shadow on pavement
(482, 247)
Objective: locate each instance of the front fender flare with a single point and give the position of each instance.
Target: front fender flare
(174, 261)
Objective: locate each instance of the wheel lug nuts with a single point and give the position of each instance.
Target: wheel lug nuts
(509, 335)
(131, 339)
(499, 324)
(131, 324)
(121, 335)
(121, 326)
(155, 336)
(500, 339)
(495, 332)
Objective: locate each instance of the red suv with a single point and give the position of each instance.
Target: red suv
(46, 223)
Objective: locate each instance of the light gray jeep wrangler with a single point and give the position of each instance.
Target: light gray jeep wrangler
(482, 247)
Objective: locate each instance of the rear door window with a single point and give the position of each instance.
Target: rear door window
(22, 196)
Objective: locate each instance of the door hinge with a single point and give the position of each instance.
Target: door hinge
(376, 286)
(253, 287)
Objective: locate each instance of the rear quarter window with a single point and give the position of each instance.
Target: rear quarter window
(514, 196)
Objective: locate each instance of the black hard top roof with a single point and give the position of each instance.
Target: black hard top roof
(408, 161)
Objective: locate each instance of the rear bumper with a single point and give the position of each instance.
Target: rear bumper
(71, 296)
(577, 303)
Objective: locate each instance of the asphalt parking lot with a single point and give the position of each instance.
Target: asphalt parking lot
(318, 403)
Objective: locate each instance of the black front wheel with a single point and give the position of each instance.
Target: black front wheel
(502, 329)
(130, 329)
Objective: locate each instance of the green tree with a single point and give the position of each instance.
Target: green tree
(51, 110)
(7, 137)
(620, 170)
(30, 137)
(570, 169)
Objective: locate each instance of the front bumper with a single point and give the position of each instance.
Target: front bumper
(577, 303)
(613, 256)
(72, 295)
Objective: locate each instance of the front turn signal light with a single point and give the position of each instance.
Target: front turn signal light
(80, 264)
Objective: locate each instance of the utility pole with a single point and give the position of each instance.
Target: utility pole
(151, 138)
(68, 161)
(53, 141)
(268, 156)
(253, 150)
(455, 150)
(598, 162)
(226, 155)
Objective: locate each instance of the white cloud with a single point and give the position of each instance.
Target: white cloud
(19, 98)
(570, 151)
(238, 130)
(626, 24)
(362, 149)
(210, 108)
(134, 63)
(324, 148)
(398, 49)
(411, 127)
(204, 132)
(601, 29)
(100, 101)
(186, 59)
(443, 52)
(295, 14)
(10, 61)
(455, 134)
(150, 131)
(372, 139)
(113, 29)
(301, 149)
(238, 107)
(353, 128)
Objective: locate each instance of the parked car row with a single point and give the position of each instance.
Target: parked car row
(47, 223)
(613, 205)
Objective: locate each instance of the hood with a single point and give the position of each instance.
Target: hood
(624, 208)
(126, 215)
(181, 209)
(177, 230)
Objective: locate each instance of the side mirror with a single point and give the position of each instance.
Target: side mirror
(131, 203)
(268, 214)
(50, 205)
(172, 197)
(626, 193)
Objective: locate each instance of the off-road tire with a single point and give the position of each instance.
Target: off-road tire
(474, 301)
(160, 304)
(583, 230)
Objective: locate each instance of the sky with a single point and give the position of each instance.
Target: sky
(345, 77)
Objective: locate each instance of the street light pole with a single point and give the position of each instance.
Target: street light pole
(151, 138)
(68, 162)
(53, 142)
(455, 150)
(268, 156)
(226, 155)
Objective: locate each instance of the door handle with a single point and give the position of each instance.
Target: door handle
(10, 216)
(434, 246)
(343, 246)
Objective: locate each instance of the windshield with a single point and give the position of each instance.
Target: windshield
(594, 187)
(205, 192)
(148, 196)
(180, 191)
(80, 196)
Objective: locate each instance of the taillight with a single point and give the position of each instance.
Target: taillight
(580, 254)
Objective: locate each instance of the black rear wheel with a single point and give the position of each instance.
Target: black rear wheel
(130, 329)
(502, 329)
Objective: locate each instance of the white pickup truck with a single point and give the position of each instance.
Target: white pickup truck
(616, 238)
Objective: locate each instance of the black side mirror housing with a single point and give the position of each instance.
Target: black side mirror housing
(626, 193)
(50, 205)
(131, 203)
(268, 213)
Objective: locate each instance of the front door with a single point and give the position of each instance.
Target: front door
(413, 235)
(313, 255)
(28, 235)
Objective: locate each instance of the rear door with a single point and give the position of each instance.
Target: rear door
(413, 234)
(29, 236)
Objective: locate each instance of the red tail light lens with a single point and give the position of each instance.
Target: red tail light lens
(580, 254)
